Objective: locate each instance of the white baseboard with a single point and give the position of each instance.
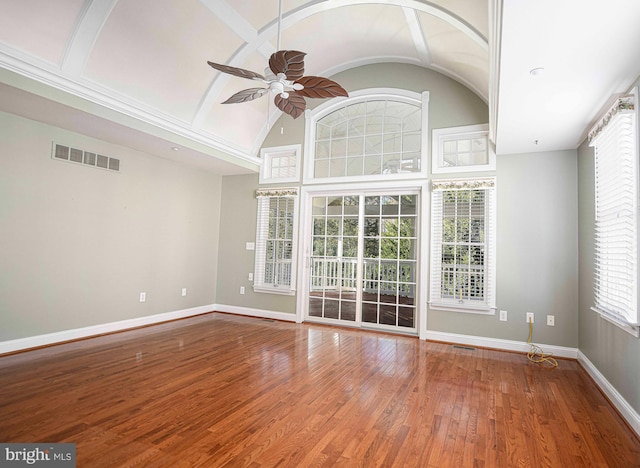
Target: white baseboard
(86, 332)
(500, 344)
(255, 312)
(626, 410)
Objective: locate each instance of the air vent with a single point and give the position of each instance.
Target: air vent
(75, 155)
(103, 162)
(87, 158)
(468, 348)
(90, 158)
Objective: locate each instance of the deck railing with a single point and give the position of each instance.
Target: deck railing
(382, 275)
(462, 281)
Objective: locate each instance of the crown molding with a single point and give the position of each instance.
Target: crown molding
(50, 75)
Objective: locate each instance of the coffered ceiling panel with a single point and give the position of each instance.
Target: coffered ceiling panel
(40, 28)
(156, 52)
(258, 14)
(359, 26)
(475, 13)
(453, 53)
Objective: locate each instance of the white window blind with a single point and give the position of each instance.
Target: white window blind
(616, 223)
(275, 241)
(463, 245)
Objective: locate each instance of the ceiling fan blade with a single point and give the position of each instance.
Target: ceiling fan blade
(289, 62)
(294, 105)
(319, 87)
(246, 95)
(241, 72)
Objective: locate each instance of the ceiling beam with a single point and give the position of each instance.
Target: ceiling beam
(92, 18)
(231, 18)
(415, 29)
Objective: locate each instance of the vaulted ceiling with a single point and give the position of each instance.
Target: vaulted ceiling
(136, 73)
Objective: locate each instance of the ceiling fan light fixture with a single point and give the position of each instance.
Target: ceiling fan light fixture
(285, 78)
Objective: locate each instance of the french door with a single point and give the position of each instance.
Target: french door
(363, 260)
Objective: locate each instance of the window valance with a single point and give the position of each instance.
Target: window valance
(277, 192)
(622, 104)
(463, 184)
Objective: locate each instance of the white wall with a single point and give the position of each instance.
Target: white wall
(78, 244)
(537, 252)
(537, 221)
(450, 104)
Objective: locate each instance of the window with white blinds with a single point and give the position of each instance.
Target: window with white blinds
(615, 143)
(276, 241)
(463, 245)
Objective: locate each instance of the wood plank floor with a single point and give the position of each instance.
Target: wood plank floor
(222, 390)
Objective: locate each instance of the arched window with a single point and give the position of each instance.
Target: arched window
(375, 134)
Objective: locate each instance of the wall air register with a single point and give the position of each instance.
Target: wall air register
(66, 153)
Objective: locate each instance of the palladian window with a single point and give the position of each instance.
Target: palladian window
(380, 137)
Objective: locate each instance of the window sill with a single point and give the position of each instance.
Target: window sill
(631, 329)
(280, 291)
(464, 308)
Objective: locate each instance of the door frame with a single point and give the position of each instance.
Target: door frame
(380, 188)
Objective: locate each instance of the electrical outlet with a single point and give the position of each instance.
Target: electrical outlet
(250, 276)
(143, 297)
(241, 289)
(529, 317)
(503, 315)
(551, 320)
(184, 291)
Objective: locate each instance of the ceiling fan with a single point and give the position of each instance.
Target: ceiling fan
(284, 77)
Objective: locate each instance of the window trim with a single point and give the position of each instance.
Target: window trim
(436, 302)
(260, 247)
(440, 135)
(621, 103)
(363, 95)
(266, 155)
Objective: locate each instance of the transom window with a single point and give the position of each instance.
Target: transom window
(280, 164)
(462, 149)
(377, 136)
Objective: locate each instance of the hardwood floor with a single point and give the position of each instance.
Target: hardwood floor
(223, 390)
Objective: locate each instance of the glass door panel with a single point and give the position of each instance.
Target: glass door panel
(389, 277)
(334, 258)
(363, 259)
